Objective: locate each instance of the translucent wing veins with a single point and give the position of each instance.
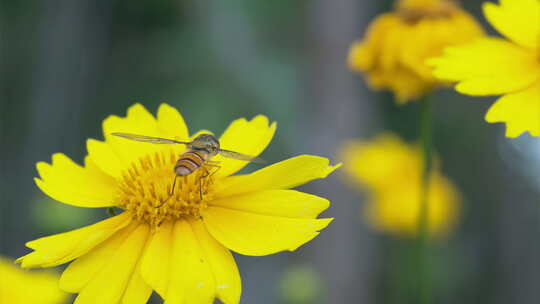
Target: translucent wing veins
(149, 139)
(240, 156)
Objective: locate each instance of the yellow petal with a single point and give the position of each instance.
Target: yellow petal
(105, 158)
(116, 154)
(283, 203)
(171, 124)
(357, 60)
(405, 84)
(519, 20)
(283, 175)
(366, 54)
(254, 234)
(156, 261)
(389, 159)
(432, 36)
(77, 275)
(396, 211)
(221, 261)
(69, 183)
(489, 66)
(246, 137)
(176, 267)
(137, 291)
(18, 286)
(190, 276)
(391, 45)
(520, 111)
(137, 121)
(64, 247)
(113, 282)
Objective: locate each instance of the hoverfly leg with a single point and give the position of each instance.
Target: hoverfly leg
(215, 171)
(206, 174)
(163, 202)
(200, 187)
(214, 165)
(170, 194)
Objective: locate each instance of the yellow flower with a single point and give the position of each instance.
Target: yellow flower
(391, 171)
(180, 249)
(496, 66)
(393, 53)
(19, 286)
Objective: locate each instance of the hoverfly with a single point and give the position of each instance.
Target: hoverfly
(198, 153)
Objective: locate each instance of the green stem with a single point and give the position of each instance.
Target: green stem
(423, 229)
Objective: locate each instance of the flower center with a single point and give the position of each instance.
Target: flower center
(412, 11)
(145, 189)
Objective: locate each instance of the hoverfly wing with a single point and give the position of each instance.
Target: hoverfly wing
(240, 156)
(149, 139)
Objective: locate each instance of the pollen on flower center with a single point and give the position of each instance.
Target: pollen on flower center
(144, 189)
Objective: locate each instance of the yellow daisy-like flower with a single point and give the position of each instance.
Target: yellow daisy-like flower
(19, 286)
(393, 178)
(496, 66)
(181, 249)
(393, 53)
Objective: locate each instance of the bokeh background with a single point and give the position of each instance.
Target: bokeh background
(67, 64)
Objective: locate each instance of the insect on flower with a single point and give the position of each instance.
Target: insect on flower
(197, 155)
(182, 251)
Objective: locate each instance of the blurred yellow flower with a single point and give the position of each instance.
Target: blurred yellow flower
(180, 249)
(391, 170)
(497, 66)
(394, 50)
(20, 287)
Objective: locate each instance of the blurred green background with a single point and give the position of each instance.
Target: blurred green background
(67, 64)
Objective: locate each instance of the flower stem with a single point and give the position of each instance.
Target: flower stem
(425, 132)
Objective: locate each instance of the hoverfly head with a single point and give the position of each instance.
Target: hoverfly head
(207, 143)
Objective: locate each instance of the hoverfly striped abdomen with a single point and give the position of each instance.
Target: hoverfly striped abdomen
(190, 161)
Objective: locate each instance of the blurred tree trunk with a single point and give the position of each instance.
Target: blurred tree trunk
(70, 41)
(344, 252)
